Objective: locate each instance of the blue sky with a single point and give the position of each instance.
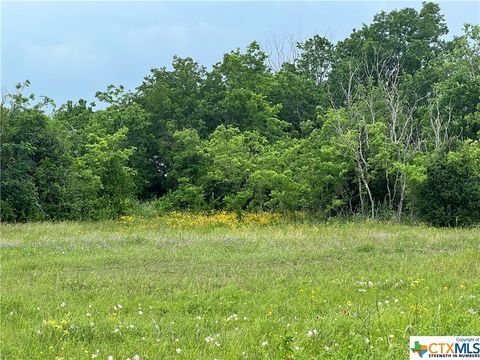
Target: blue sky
(69, 50)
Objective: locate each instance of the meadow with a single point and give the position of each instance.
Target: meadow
(211, 287)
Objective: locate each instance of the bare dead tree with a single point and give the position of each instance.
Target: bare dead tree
(439, 121)
(282, 49)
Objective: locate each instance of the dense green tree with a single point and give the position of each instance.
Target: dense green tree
(450, 195)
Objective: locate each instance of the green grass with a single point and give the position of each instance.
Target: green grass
(365, 288)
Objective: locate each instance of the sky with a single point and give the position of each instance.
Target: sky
(69, 50)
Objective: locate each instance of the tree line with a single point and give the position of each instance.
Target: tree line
(383, 124)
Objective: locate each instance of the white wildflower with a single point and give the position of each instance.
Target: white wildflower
(178, 350)
(232, 317)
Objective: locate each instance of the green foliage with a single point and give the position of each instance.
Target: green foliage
(450, 195)
(340, 129)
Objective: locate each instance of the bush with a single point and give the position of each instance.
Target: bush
(450, 196)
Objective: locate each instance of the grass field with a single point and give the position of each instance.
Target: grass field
(201, 289)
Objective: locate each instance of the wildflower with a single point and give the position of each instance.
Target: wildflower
(362, 290)
(264, 343)
(472, 311)
(110, 357)
(136, 357)
(232, 317)
(396, 300)
(217, 344)
(178, 350)
(116, 330)
(326, 348)
(88, 314)
(62, 304)
(313, 332)
(387, 302)
(209, 339)
(298, 348)
(119, 306)
(391, 336)
(140, 312)
(92, 324)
